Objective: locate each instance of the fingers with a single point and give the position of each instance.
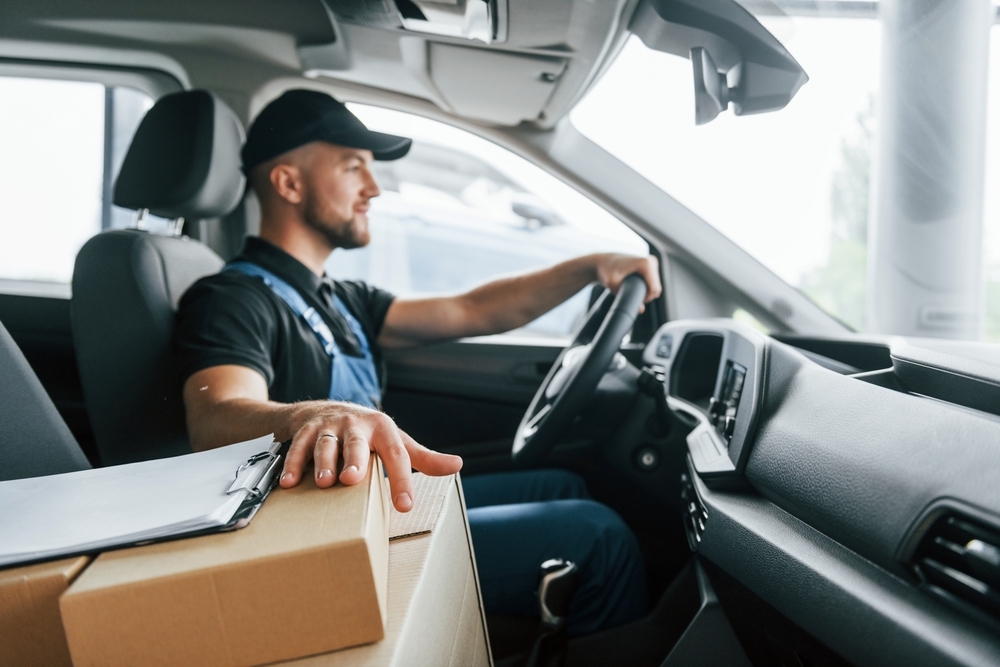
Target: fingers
(298, 454)
(356, 454)
(613, 269)
(428, 461)
(325, 458)
(650, 272)
(388, 444)
(354, 436)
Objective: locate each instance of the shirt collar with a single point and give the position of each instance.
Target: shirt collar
(280, 263)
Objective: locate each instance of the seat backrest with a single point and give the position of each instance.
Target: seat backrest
(34, 439)
(183, 163)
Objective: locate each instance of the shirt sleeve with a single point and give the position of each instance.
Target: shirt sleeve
(370, 301)
(225, 319)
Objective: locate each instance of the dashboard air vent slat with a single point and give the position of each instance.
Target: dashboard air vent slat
(959, 559)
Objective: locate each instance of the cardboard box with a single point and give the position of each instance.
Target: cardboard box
(307, 575)
(436, 615)
(31, 632)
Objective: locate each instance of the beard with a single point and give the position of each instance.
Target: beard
(347, 234)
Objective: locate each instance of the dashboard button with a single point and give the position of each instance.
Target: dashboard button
(665, 346)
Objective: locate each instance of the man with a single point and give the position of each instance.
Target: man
(272, 345)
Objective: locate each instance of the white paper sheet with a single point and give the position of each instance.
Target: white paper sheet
(90, 510)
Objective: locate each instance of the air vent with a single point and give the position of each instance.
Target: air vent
(959, 559)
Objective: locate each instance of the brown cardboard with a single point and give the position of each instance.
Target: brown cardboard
(31, 631)
(436, 616)
(307, 575)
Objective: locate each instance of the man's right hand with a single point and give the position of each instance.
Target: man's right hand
(331, 431)
(227, 404)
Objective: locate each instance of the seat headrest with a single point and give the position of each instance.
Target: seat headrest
(184, 160)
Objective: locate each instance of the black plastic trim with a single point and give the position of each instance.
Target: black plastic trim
(861, 611)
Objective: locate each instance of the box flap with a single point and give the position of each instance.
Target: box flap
(31, 631)
(424, 516)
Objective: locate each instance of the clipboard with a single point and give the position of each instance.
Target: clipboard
(258, 476)
(103, 509)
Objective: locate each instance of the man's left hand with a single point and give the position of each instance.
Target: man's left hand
(613, 268)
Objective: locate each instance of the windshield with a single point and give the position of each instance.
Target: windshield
(790, 187)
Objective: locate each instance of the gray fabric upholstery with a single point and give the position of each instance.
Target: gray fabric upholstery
(184, 160)
(126, 286)
(34, 440)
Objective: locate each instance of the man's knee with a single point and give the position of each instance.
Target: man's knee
(598, 526)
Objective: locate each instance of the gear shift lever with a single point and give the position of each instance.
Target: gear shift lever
(559, 582)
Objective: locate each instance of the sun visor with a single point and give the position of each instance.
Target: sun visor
(493, 86)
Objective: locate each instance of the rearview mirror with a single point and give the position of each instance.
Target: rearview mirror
(736, 61)
(711, 89)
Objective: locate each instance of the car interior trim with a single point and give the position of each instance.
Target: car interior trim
(863, 612)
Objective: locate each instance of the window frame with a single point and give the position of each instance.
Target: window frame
(154, 83)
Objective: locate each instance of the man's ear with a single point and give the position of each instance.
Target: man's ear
(286, 179)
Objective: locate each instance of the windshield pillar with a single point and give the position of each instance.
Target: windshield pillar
(925, 243)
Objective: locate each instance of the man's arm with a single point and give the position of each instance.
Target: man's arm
(509, 303)
(227, 404)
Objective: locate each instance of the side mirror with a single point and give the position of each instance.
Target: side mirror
(535, 216)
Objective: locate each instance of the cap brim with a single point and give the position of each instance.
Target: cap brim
(383, 146)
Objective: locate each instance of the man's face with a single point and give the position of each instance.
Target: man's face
(338, 188)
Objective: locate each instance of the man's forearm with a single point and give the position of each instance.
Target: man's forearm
(239, 419)
(509, 303)
(497, 306)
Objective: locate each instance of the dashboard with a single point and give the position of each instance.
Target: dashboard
(713, 375)
(853, 484)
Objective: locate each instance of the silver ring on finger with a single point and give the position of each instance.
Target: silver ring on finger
(327, 435)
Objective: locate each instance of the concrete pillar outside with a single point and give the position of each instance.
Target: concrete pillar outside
(926, 216)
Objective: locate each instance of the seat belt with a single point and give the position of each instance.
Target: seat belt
(352, 379)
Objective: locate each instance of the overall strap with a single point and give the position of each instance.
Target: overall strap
(291, 297)
(354, 324)
(352, 379)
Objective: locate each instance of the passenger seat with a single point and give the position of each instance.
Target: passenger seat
(184, 162)
(34, 439)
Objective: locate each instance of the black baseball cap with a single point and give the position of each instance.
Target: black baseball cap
(301, 116)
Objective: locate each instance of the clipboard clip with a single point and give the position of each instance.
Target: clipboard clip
(256, 474)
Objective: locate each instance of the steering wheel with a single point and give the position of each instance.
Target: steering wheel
(577, 371)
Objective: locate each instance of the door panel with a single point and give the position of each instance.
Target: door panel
(41, 328)
(467, 397)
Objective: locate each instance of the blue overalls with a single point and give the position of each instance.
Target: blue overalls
(517, 519)
(352, 379)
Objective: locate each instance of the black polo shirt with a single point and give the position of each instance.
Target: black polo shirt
(233, 318)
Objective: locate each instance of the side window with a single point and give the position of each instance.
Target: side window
(458, 211)
(62, 144)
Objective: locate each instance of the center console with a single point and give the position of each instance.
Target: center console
(713, 379)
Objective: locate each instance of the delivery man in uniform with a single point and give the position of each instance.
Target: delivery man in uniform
(271, 344)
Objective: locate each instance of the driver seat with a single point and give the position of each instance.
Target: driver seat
(182, 163)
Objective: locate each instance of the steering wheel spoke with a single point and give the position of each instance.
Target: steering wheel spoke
(574, 377)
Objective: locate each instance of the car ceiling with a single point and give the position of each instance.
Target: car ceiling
(551, 53)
